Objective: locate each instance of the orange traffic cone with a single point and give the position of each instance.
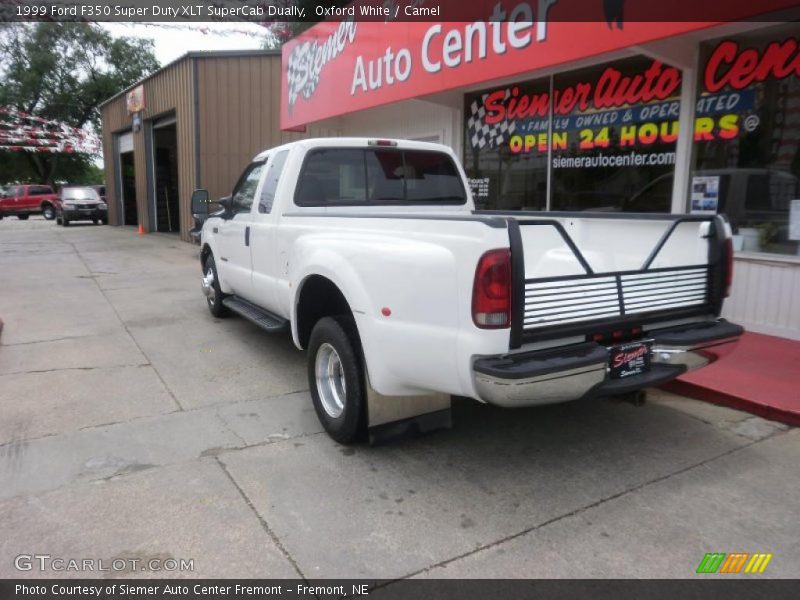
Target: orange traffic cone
(141, 229)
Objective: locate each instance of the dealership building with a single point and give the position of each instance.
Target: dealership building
(195, 123)
(546, 115)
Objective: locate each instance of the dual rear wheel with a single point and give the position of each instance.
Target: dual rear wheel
(335, 378)
(334, 365)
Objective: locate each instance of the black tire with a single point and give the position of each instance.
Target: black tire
(104, 221)
(65, 221)
(23, 217)
(214, 302)
(339, 333)
(48, 212)
(58, 220)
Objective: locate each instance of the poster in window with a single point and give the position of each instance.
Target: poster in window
(479, 187)
(705, 194)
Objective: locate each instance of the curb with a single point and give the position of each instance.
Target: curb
(705, 394)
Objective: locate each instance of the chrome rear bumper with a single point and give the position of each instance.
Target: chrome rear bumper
(581, 370)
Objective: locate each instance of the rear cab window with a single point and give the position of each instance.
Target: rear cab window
(373, 177)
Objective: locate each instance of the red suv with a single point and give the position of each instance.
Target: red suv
(24, 200)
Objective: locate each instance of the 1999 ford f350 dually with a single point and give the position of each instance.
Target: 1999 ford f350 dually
(371, 253)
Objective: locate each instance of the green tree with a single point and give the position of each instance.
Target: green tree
(62, 71)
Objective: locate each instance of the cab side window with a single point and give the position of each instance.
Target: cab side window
(274, 171)
(245, 191)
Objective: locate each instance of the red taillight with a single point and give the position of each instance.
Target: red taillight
(491, 293)
(728, 267)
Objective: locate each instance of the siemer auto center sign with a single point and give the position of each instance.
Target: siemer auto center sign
(347, 65)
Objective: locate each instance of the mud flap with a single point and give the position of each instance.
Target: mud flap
(390, 418)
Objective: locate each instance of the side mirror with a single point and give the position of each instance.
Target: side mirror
(200, 202)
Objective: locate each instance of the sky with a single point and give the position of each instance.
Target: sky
(175, 40)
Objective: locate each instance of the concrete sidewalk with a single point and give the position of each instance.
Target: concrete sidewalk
(133, 424)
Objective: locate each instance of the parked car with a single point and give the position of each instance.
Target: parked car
(370, 253)
(24, 200)
(80, 204)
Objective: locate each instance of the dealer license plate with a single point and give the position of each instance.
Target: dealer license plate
(629, 359)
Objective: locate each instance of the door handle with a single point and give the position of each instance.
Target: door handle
(247, 236)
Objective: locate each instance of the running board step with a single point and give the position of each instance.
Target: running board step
(264, 319)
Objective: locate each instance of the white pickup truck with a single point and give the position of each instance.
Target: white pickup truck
(371, 253)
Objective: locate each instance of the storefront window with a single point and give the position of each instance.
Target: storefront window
(615, 130)
(505, 152)
(747, 138)
(610, 133)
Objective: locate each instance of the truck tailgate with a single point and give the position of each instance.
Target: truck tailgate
(582, 274)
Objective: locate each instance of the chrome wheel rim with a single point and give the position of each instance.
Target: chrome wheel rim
(330, 380)
(48, 213)
(208, 285)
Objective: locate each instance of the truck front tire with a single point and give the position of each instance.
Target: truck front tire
(215, 299)
(335, 378)
(48, 212)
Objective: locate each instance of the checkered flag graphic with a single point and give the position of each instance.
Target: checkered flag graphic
(301, 78)
(482, 135)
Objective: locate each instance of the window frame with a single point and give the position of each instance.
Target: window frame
(364, 150)
(262, 209)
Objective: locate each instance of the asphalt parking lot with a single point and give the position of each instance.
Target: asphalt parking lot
(135, 425)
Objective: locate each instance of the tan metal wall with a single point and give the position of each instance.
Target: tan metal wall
(238, 106)
(168, 91)
(239, 110)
